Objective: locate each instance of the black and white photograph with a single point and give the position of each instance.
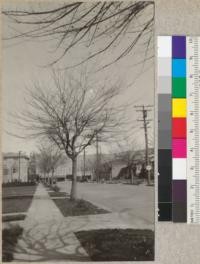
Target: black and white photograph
(77, 131)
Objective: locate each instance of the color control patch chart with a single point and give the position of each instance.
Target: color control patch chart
(179, 129)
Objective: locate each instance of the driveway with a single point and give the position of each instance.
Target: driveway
(134, 204)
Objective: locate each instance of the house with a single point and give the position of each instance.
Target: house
(117, 165)
(15, 167)
(120, 165)
(111, 166)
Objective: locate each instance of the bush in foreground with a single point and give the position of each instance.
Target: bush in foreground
(9, 240)
(118, 244)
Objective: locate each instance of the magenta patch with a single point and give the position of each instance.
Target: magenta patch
(179, 148)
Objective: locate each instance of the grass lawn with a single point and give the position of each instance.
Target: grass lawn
(16, 205)
(9, 240)
(17, 199)
(8, 218)
(18, 191)
(57, 194)
(118, 244)
(78, 207)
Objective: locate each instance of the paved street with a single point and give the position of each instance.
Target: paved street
(133, 204)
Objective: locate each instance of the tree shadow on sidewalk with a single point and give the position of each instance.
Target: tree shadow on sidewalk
(49, 241)
(53, 238)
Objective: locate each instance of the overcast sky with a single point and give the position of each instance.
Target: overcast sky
(23, 63)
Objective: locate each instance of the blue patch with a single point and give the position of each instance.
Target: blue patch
(179, 68)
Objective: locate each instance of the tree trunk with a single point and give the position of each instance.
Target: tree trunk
(132, 176)
(148, 177)
(111, 174)
(73, 194)
(52, 177)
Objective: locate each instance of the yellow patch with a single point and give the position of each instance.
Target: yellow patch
(179, 107)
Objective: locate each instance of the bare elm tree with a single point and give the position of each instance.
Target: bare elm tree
(71, 113)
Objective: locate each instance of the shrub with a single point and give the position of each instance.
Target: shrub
(8, 218)
(55, 188)
(9, 240)
(16, 184)
(118, 244)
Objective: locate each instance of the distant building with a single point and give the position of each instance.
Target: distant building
(117, 165)
(15, 167)
(110, 166)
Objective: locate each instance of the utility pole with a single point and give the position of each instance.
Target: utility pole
(144, 110)
(12, 174)
(84, 163)
(97, 158)
(99, 165)
(19, 165)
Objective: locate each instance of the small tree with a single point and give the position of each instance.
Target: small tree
(43, 165)
(70, 114)
(129, 159)
(32, 167)
(127, 154)
(49, 159)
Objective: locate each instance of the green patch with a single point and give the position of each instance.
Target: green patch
(17, 205)
(9, 240)
(179, 87)
(118, 244)
(9, 218)
(77, 207)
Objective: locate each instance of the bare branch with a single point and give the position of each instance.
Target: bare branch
(81, 22)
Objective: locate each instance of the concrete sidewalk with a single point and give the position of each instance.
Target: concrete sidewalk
(44, 238)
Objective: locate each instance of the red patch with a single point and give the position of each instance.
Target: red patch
(179, 128)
